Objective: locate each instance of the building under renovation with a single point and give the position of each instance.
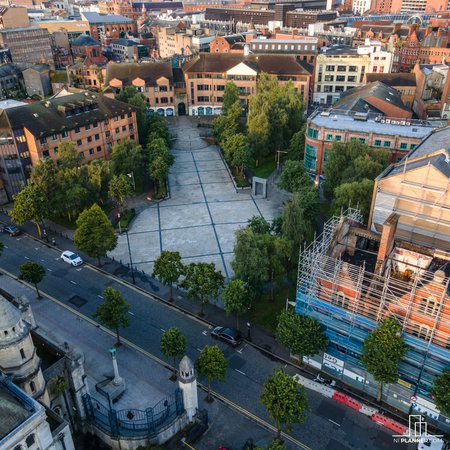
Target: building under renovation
(352, 276)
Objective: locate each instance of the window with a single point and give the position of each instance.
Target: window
(310, 157)
(341, 68)
(362, 140)
(124, 128)
(421, 331)
(54, 137)
(129, 115)
(338, 137)
(429, 305)
(46, 154)
(22, 353)
(79, 142)
(32, 386)
(117, 130)
(329, 77)
(122, 116)
(329, 68)
(339, 299)
(64, 134)
(116, 118)
(353, 69)
(340, 78)
(30, 440)
(203, 98)
(312, 133)
(108, 133)
(130, 127)
(89, 139)
(377, 143)
(95, 125)
(413, 146)
(88, 127)
(403, 146)
(387, 144)
(329, 137)
(43, 140)
(91, 151)
(99, 149)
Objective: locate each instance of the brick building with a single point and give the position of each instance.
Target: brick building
(403, 83)
(34, 131)
(233, 43)
(303, 47)
(301, 19)
(207, 75)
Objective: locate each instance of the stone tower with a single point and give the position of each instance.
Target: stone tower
(18, 357)
(188, 384)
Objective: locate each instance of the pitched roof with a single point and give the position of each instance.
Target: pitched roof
(393, 79)
(272, 64)
(9, 69)
(149, 72)
(85, 41)
(358, 99)
(234, 38)
(125, 42)
(64, 112)
(95, 17)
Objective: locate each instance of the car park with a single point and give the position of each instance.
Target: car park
(227, 335)
(71, 258)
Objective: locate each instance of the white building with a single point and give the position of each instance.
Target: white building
(361, 6)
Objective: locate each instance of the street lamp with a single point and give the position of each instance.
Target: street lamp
(131, 175)
(249, 326)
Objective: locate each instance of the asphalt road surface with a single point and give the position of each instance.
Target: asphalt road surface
(329, 426)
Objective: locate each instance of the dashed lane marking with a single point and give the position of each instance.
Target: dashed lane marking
(26, 257)
(101, 296)
(205, 333)
(73, 282)
(50, 270)
(240, 371)
(332, 421)
(131, 313)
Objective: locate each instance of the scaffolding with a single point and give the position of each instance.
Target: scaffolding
(349, 300)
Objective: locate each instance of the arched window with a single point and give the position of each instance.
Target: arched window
(32, 386)
(22, 353)
(30, 440)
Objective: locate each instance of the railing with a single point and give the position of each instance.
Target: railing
(134, 423)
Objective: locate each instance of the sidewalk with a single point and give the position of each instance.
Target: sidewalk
(260, 338)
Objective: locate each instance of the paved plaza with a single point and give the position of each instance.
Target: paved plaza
(203, 212)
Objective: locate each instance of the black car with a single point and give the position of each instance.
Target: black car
(227, 335)
(12, 230)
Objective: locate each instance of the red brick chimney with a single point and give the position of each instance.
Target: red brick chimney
(387, 240)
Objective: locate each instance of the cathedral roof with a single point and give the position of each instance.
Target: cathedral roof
(9, 314)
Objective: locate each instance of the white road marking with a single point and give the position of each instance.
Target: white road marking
(332, 421)
(50, 270)
(205, 333)
(26, 257)
(6, 246)
(37, 248)
(78, 270)
(57, 259)
(73, 282)
(43, 260)
(100, 296)
(239, 371)
(199, 349)
(131, 313)
(162, 329)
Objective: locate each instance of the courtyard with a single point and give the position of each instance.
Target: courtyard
(203, 212)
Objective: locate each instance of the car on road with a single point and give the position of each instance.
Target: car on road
(71, 258)
(227, 335)
(12, 230)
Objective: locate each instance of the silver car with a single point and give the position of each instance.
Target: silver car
(71, 258)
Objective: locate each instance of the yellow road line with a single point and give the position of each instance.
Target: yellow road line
(134, 346)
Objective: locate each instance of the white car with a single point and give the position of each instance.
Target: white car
(71, 258)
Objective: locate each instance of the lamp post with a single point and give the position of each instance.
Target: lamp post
(249, 326)
(131, 175)
(129, 254)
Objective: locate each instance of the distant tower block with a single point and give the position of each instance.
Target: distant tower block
(188, 385)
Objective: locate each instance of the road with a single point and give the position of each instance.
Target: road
(329, 425)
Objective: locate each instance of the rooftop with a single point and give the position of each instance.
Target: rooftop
(61, 113)
(85, 41)
(393, 79)
(372, 123)
(13, 409)
(438, 139)
(125, 42)
(94, 18)
(149, 72)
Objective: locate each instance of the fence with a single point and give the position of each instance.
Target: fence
(134, 423)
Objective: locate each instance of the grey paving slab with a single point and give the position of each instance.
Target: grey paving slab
(184, 216)
(226, 233)
(182, 156)
(183, 179)
(228, 257)
(184, 195)
(268, 209)
(215, 192)
(183, 167)
(229, 212)
(209, 154)
(143, 246)
(147, 220)
(210, 165)
(215, 176)
(191, 242)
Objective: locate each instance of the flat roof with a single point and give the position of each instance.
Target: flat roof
(345, 122)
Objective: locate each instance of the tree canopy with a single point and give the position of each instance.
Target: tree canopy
(202, 282)
(441, 391)
(357, 194)
(230, 96)
(113, 311)
(212, 365)
(168, 268)
(285, 400)
(94, 234)
(129, 95)
(126, 157)
(236, 298)
(383, 350)
(173, 345)
(32, 272)
(120, 189)
(302, 335)
(294, 178)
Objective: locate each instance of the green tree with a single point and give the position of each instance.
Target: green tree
(285, 400)
(294, 178)
(126, 157)
(32, 272)
(113, 311)
(68, 155)
(120, 189)
(230, 96)
(276, 444)
(275, 114)
(303, 336)
(173, 345)
(168, 268)
(46, 176)
(237, 153)
(58, 385)
(202, 282)
(158, 128)
(159, 170)
(357, 194)
(236, 298)
(278, 251)
(212, 365)
(98, 177)
(441, 392)
(129, 95)
(32, 204)
(94, 234)
(227, 125)
(258, 225)
(383, 350)
(296, 150)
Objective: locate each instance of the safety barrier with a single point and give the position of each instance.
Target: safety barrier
(389, 423)
(347, 400)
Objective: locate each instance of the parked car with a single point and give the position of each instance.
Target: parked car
(227, 335)
(12, 230)
(71, 258)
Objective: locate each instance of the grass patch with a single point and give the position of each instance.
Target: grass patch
(126, 218)
(265, 311)
(265, 167)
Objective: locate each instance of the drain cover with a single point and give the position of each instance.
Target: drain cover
(78, 301)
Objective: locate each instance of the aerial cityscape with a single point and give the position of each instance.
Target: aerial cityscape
(224, 225)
